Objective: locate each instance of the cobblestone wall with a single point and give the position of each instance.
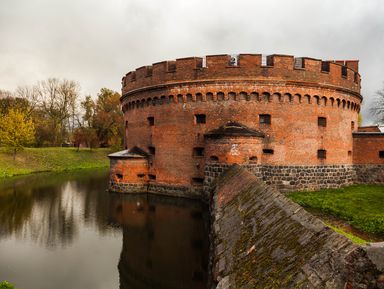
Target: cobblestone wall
(297, 178)
(372, 174)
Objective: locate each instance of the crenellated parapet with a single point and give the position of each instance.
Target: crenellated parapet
(245, 67)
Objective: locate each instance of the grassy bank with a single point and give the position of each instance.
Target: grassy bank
(33, 160)
(361, 206)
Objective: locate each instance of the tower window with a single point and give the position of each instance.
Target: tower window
(325, 66)
(264, 118)
(381, 154)
(321, 154)
(214, 158)
(197, 181)
(151, 121)
(198, 152)
(322, 121)
(268, 151)
(152, 150)
(152, 177)
(200, 118)
(253, 159)
(344, 71)
(352, 125)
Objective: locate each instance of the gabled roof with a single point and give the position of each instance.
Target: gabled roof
(233, 128)
(134, 152)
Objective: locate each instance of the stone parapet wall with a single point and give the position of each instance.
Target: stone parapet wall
(370, 174)
(176, 191)
(120, 187)
(261, 239)
(193, 192)
(299, 178)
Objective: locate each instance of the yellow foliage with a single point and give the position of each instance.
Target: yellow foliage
(16, 130)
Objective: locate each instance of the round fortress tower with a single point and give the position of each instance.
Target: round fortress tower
(303, 112)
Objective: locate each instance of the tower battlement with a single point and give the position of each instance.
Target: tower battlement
(340, 73)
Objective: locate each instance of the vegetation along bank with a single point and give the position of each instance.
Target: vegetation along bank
(55, 159)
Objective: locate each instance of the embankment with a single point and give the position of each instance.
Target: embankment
(261, 239)
(53, 159)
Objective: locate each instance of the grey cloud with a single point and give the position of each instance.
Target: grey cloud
(96, 42)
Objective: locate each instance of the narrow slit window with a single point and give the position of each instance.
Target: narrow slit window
(152, 177)
(151, 121)
(198, 152)
(321, 154)
(200, 118)
(268, 151)
(152, 150)
(344, 71)
(197, 181)
(253, 159)
(322, 121)
(214, 158)
(352, 125)
(325, 66)
(265, 119)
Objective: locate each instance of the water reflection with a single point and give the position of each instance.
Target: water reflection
(66, 231)
(164, 242)
(48, 208)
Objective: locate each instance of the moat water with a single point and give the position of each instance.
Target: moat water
(66, 231)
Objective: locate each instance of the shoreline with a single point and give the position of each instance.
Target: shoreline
(52, 159)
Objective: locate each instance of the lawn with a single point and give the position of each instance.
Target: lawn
(362, 206)
(32, 160)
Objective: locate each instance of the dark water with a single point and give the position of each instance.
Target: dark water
(65, 231)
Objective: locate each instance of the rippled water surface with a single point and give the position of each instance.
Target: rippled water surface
(65, 231)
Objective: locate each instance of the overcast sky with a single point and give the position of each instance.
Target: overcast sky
(95, 42)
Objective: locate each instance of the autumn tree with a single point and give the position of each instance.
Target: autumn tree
(378, 106)
(88, 105)
(86, 136)
(16, 130)
(54, 103)
(108, 118)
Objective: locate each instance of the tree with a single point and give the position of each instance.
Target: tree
(57, 98)
(16, 130)
(378, 106)
(89, 110)
(108, 118)
(85, 136)
(6, 285)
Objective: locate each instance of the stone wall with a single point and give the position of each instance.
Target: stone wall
(370, 174)
(299, 178)
(261, 239)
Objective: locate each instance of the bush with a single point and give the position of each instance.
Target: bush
(6, 285)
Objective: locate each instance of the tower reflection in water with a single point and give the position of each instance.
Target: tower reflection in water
(165, 242)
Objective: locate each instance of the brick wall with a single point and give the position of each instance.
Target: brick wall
(367, 147)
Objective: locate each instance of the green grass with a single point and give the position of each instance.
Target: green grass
(55, 159)
(353, 238)
(362, 206)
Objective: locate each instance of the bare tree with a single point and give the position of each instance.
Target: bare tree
(58, 99)
(378, 106)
